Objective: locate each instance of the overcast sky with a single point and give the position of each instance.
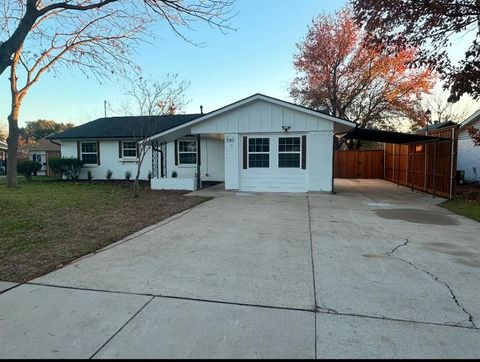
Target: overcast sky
(257, 57)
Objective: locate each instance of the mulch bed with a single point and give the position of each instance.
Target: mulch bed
(469, 192)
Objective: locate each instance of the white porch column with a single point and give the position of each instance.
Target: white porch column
(232, 159)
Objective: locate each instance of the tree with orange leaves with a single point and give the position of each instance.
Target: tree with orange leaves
(339, 72)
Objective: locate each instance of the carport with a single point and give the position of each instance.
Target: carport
(424, 162)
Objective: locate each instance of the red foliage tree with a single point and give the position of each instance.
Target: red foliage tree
(430, 26)
(339, 71)
(474, 133)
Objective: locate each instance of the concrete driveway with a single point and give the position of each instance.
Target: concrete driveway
(373, 271)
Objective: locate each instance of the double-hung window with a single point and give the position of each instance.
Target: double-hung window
(129, 149)
(289, 149)
(187, 152)
(89, 153)
(259, 152)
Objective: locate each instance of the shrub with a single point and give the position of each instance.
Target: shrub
(174, 174)
(89, 176)
(68, 166)
(109, 175)
(128, 175)
(149, 176)
(27, 168)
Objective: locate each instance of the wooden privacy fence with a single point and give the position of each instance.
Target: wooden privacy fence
(429, 167)
(359, 164)
(51, 154)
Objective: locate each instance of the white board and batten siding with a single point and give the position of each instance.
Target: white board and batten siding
(468, 158)
(265, 120)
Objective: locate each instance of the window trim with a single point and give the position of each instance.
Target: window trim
(129, 149)
(299, 152)
(180, 152)
(89, 153)
(259, 153)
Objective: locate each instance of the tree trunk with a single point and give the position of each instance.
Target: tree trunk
(12, 141)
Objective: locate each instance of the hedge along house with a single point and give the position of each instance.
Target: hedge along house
(112, 143)
(258, 144)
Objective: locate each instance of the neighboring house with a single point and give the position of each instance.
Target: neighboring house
(3, 150)
(111, 143)
(256, 144)
(3, 157)
(468, 158)
(41, 152)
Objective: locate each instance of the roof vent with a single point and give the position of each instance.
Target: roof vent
(201, 109)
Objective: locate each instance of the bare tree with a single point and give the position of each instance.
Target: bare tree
(441, 109)
(153, 98)
(3, 133)
(97, 37)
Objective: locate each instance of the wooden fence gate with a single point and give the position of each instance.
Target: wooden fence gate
(359, 164)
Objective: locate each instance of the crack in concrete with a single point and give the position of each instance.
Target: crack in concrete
(454, 297)
(398, 247)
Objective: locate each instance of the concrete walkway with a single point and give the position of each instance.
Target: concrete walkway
(373, 271)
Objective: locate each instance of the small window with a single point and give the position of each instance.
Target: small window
(187, 152)
(259, 152)
(129, 149)
(289, 152)
(89, 153)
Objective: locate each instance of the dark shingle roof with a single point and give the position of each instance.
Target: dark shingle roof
(125, 127)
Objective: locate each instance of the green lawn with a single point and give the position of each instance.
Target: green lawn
(465, 208)
(47, 223)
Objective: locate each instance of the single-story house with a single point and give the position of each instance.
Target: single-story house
(468, 159)
(41, 152)
(259, 143)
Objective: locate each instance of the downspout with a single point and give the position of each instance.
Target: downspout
(434, 169)
(333, 164)
(452, 142)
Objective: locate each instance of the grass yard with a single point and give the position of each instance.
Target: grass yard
(470, 209)
(467, 201)
(45, 224)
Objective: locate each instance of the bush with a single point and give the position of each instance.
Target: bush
(149, 176)
(109, 175)
(174, 174)
(68, 166)
(27, 168)
(128, 175)
(89, 176)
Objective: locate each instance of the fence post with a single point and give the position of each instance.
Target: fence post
(413, 167)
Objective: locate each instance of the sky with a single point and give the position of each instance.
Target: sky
(256, 57)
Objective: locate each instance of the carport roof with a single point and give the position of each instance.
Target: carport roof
(389, 136)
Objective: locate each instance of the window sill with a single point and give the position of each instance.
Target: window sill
(187, 166)
(90, 165)
(128, 159)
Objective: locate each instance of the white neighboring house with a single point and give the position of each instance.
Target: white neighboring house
(259, 143)
(41, 152)
(112, 143)
(468, 158)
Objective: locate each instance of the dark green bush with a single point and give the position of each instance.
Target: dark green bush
(27, 168)
(68, 166)
(89, 176)
(109, 175)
